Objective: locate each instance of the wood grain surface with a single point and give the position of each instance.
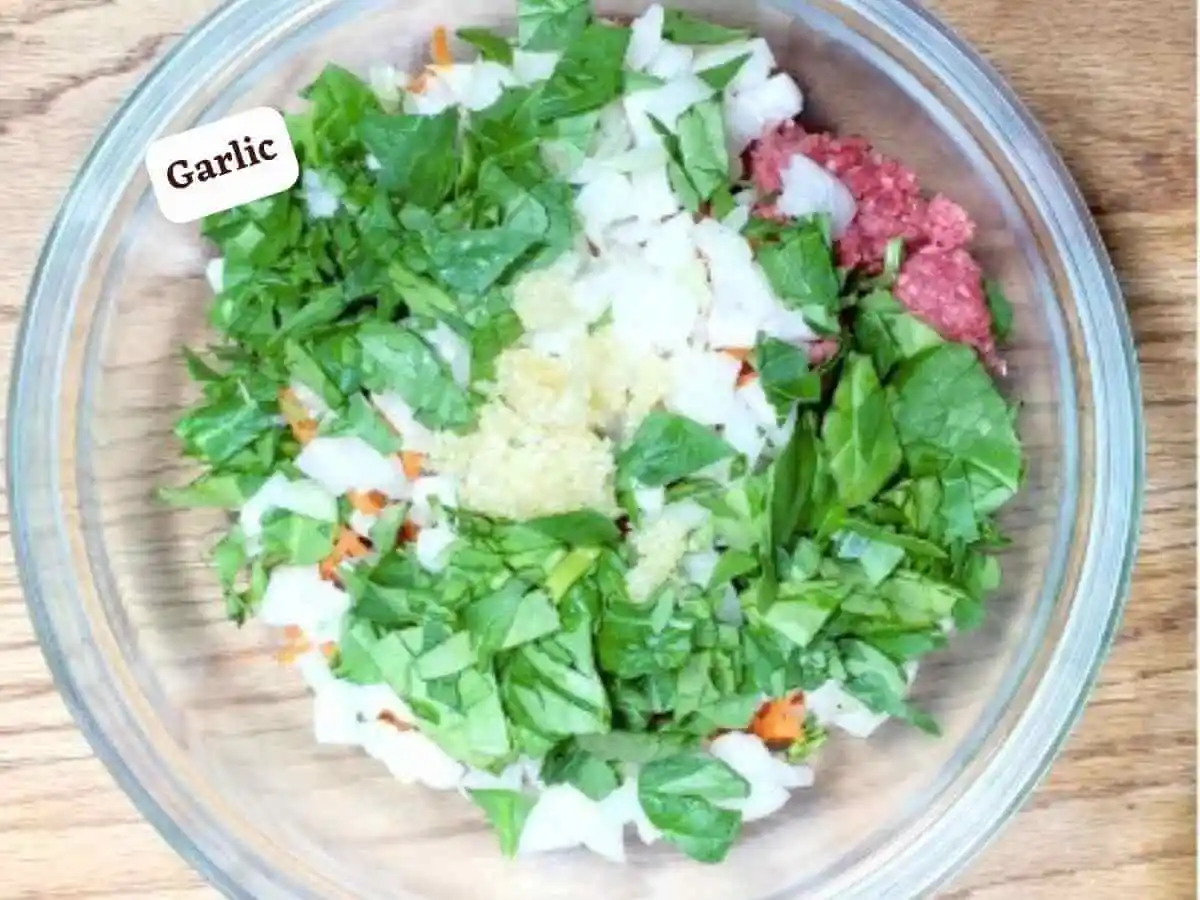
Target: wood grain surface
(1112, 81)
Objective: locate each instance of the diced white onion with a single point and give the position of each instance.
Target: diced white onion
(751, 112)
(645, 40)
(343, 464)
(433, 546)
(298, 595)
(320, 201)
(810, 188)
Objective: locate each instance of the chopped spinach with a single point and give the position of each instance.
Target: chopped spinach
(864, 452)
(681, 27)
(667, 447)
(491, 46)
(680, 794)
(551, 24)
(843, 552)
(506, 811)
(589, 75)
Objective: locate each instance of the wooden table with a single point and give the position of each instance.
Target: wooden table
(1113, 83)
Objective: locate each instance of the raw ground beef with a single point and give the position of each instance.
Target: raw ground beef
(945, 288)
(821, 350)
(939, 280)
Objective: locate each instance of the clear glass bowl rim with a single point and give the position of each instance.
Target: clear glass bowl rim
(1118, 449)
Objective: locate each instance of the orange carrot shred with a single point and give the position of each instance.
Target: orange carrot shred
(741, 354)
(347, 545)
(419, 82)
(392, 719)
(295, 645)
(780, 720)
(328, 567)
(328, 649)
(412, 462)
(440, 47)
(304, 428)
(291, 407)
(369, 503)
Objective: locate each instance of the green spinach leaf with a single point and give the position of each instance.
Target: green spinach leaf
(637, 640)
(803, 607)
(681, 184)
(582, 528)
(551, 24)
(361, 419)
(396, 358)
(446, 658)
(491, 46)
(214, 490)
(794, 477)
(889, 333)
(327, 132)
(800, 267)
(667, 447)
(298, 540)
(589, 75)
(947, 410)
(471, 261)
(864, 452)
(721, 76)
(552, 687)
(679, 795)
(507, 812)
(703, 154)
(569, 763)
(785, 375)
(680, 27)
(355, 660)
(637, 748)
(418, 155)
(1001, 310)
(216, 431)
(878, 559)
(509, 617)
(881, 684)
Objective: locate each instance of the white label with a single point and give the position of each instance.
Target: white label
(222, 165)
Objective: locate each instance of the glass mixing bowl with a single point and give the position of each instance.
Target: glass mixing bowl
(212, 738)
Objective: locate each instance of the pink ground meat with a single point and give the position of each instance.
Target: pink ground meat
(938, 281)
(820, 351)
(945, 288)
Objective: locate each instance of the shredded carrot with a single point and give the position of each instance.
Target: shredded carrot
(291, 407)
(419, 83)
(408, 532)
(780, 720)
(742, 355)
(412, 461)
(348, 545)
(440, 47)
(390, 718)
(295, 645)
(746, 376)
(304, 428)
(328, 649)
(369, 503)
